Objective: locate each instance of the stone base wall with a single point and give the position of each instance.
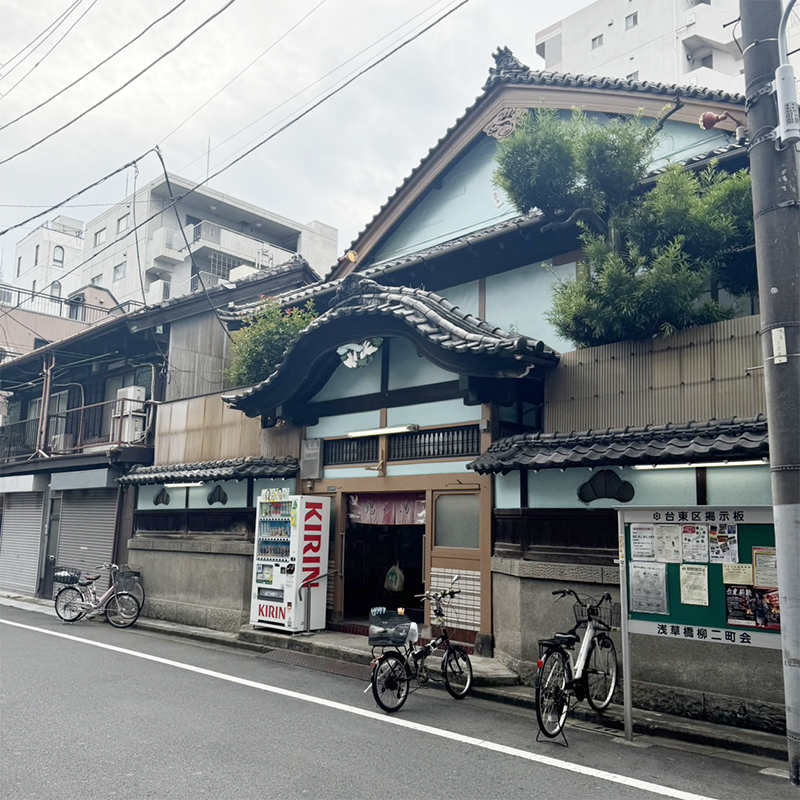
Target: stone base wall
(726, 684)
(198, 582)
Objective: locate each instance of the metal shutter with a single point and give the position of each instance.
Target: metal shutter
(86, 535)
(20, 542)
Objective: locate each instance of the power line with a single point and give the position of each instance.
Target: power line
(120, 88)
(66, 33)
(96, 67)
(57, 21)
(239, 74)
(306, 88)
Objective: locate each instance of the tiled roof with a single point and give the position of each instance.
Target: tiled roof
(214, 470)
(435, 323)
(716, 440)
(509, 70)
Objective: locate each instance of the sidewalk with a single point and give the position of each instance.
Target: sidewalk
(348, 654)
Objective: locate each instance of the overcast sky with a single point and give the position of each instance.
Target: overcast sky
(339, 164)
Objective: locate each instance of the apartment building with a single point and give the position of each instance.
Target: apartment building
(686, 42)
(213, 237)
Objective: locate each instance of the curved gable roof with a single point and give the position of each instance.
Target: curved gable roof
(362, 309)
(513, 85)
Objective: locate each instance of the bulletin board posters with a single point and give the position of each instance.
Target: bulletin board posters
(643, 542)
(668, 544)
(765, 567)
(694, 542)
(723, 544)
(748, 607)
(694, 584)
(648, 588)
(741, 574)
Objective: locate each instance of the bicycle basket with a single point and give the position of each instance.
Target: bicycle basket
(128, 579)
(606, 613)
(390, 629)
(66, 575)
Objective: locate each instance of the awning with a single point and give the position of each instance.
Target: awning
(231, 469)
(717, 440)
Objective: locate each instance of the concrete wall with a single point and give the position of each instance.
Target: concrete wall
(203, 583)
(700, 680)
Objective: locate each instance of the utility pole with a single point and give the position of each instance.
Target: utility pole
(776, 211)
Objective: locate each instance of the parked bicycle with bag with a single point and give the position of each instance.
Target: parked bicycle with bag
(78, 598)
(591, 676)
(403, 661)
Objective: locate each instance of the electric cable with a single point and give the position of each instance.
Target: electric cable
(123, 86)
(39, 35)
(239, 74)
(306, 88)
(66, 33)
(95, 67)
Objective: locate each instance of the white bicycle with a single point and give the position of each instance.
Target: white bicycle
(79, 598)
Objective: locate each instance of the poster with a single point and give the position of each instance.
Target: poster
(738, 573)
(723, 544)
(643, 542)
(694, 585)
(748, 607)
(695, 543)
(648, 582)
(668, 544)
(765, 567)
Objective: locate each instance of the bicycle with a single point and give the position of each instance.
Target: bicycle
(592, 676)
(402, 660)
(78, 598)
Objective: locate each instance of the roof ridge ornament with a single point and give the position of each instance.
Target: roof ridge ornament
(506, 66)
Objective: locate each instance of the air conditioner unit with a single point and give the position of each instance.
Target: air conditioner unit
(62, 443)
(311, 459)
(127, 424)
(242, 271)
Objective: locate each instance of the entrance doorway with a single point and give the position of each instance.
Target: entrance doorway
(369, 553)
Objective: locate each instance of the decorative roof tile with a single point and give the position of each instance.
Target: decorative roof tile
(716, 440)
(232, 469)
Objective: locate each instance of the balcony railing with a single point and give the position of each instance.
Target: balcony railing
(14, 298)
(114, 424)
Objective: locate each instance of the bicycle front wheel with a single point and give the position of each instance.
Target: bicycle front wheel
(457, 672)
(552, 695)
(69, 604)
(600, 673)
(122, 610)
(390, 682)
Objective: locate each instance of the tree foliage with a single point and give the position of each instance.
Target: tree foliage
(259, 346)
(662, 255)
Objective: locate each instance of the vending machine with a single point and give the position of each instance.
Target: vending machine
(290, 561)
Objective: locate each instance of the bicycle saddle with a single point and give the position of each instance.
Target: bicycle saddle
(561, 639)
(87, 579)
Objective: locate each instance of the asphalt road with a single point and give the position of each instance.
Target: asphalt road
(88, 711)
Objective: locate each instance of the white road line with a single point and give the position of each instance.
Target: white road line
(580, 769)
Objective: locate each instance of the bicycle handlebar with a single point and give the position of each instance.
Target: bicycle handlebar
(606, 598)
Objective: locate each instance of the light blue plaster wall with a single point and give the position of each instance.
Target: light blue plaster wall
(551, 488)
(346, 382)
(443, 412)
(406, 368)
(506, 490)
(343, 424)
(465, 296)
(518, 299)
(462, 200)
(680, 141)
(432, 468)
(743, 486)
(340, 473)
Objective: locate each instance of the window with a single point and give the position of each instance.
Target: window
(58, 256)
(707, 61)
(36, 256)
(19, 266)
(597, 42)
(97, 280)
(55, 289)
(634, 76)
(122, 223)
(119, 271)
(457, 520)
(632, 20)
(99, 237)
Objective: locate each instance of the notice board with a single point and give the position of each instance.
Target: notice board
(702, 573)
